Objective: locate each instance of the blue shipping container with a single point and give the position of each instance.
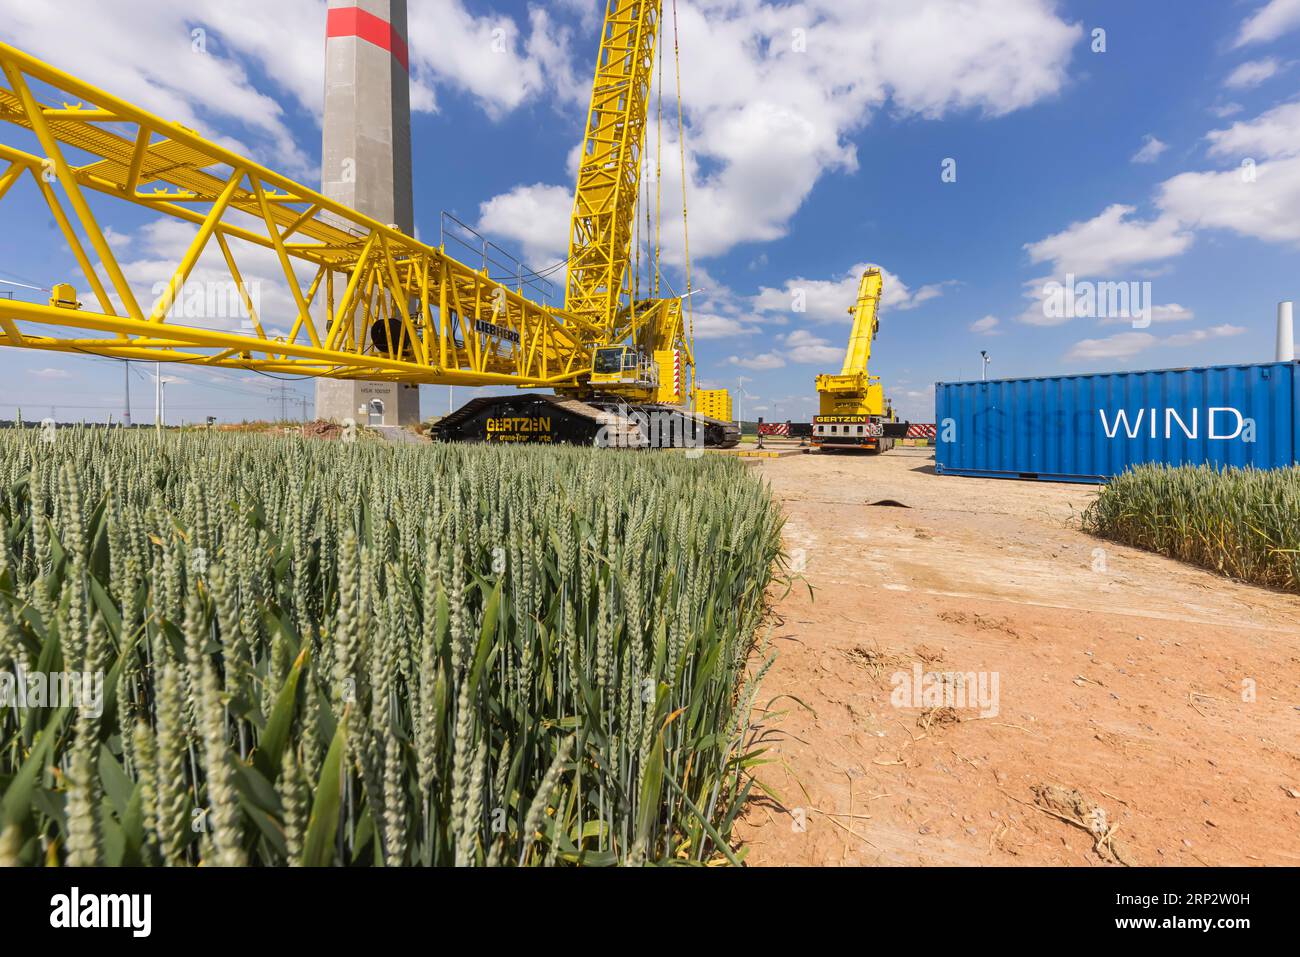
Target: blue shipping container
(1087, 428)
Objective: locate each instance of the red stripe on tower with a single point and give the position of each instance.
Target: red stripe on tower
(355, 22)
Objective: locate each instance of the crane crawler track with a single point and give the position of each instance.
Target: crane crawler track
(601, 420)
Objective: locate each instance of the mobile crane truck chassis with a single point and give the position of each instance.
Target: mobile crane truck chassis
(855, 415)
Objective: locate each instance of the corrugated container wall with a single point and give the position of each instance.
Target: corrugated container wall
(1087, 428)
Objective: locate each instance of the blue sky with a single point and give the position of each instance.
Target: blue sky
(817, 135)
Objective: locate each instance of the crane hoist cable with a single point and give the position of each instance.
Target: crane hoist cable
(659, 172)
(686, 235)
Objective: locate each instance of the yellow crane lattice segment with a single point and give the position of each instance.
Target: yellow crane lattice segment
(439, 320)
(604, 210)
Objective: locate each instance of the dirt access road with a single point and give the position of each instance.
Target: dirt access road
(1126, 728)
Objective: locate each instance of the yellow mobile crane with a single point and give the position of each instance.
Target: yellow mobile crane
(368, 301)
(854, 411)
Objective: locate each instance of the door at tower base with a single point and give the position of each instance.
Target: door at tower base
(367, 403)
(1089, 428)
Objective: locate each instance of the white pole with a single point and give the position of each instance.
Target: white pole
(1285, 332)
(157, 396)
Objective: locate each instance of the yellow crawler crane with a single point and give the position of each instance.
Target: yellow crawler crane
(368, 301)
(647, 365)
(854, 411)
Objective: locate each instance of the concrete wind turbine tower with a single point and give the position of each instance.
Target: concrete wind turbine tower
(366, 165)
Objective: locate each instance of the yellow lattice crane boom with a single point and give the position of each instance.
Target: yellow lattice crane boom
(648, 355)
(609, 170)
(599, 280)
(440, 320)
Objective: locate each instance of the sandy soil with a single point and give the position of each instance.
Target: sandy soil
(1147, 712)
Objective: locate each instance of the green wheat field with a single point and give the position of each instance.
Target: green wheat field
(351, 654)
(1243, 523)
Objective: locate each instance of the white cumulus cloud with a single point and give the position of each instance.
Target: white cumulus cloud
(1269, 22)
(804, 348)
(537, 217)
(489, 56)
(1150, 151)
(1125, 345)
(187, 62)
(773, 94)
(1252, 73)
(1111, 241)
(763, 362)
(1168, 312)
(710, 325)
(1271, 135)
(205, 63)
(798, 347)
(831, 300)
(1263, 206)
(1258, 197)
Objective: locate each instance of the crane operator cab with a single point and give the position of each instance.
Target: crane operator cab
(623, 365)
